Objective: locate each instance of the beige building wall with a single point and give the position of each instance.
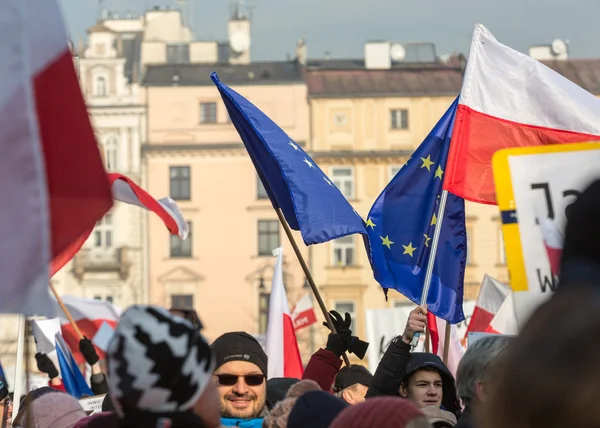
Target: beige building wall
(225, 269)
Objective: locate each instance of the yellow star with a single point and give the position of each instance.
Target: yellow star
(439, 172)
(437, 201)
(370, 223)
(386, 241)
(427, 239)
(427, 162)
(433, 220)
(409, 249)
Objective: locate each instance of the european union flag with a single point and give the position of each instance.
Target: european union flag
(402, 221)
(310, 202)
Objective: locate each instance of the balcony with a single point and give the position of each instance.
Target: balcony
(96, 260)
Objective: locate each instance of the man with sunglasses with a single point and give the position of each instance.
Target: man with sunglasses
(240, 375)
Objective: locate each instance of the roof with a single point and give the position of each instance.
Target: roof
(99, 28)
(582, 72)
(256, 73)
(417, 79)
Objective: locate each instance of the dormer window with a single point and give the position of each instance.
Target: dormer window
(100, 86)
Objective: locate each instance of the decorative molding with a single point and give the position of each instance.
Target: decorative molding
(180, 274)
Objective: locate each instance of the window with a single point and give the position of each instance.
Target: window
(100, 89)
(343, 251)
(180, 183)
(268, 237)
(110, 153)
(108, 298)
(394, 170)
(399, 119)
(178, 54)
(103, 232)
(182, 301)
(261, 192)
(343, 178)
(501, 248)
(208, 112)
(347, 306)
(179, 247)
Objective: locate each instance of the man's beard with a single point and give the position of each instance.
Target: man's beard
(228, 411)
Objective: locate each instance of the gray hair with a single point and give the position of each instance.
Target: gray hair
(477, 364)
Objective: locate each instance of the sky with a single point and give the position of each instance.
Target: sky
(336, 27)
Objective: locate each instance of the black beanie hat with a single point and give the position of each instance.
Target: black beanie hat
(352, 375)
(239, 346)
(315, 409)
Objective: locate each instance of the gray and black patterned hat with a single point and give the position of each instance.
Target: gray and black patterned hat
(157, 362)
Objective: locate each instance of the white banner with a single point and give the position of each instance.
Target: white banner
(544, 186)
(92, 404)
(44, 332)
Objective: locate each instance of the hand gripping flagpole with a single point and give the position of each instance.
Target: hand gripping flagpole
(309, 277)
(431, 261)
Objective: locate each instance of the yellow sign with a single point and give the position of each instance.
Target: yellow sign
(534, 182)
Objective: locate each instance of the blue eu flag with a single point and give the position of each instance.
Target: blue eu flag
(310, 202)
(402, 221)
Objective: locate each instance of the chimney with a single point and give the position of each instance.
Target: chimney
(377, 56)
(301, 52)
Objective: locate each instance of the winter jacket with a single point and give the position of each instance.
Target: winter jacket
(398, 363)
(243, 423)
(466, 420)
(323, 366)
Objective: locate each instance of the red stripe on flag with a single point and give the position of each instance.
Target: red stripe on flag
(477, 136)
(433, 332)
(88, 328)
(480, 320)
(292, 366)
(79, 192)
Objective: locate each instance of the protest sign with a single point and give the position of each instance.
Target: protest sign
(92, 404)
(535, 184)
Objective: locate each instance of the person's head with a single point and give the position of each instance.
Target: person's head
(428, 382)
(476, 367)
(352, 383)
(389, 412)
(315, 409)
(58, 410)
(550, 374)
(277, 388)
(240, 375)
(28, 399)
(159, 368)
(279, 414)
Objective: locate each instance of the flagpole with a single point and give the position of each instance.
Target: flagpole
(309, 277)
(66, 311)
(431, 261)
(446, 342)
(18, 385)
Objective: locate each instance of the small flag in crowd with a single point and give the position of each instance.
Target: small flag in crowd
(437, 332)
(53, 186)
(401, 225)
(492, 294)
(303, 314)
(72, 377)
(309, 200)
(125, 190)
(553, 243)
(508, 99)
(505, 321)
(89, 315)
(282, 346)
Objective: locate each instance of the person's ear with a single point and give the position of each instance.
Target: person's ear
(480, 390)
(348, 396)
(403, 391)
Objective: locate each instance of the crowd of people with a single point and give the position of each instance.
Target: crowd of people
(161, 371)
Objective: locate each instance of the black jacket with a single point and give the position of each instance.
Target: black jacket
(466, 420)
(398, 363)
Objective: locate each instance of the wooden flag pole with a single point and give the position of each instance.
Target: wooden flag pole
(309, 277)
(427, 338)
(446, 343)
(66, 311)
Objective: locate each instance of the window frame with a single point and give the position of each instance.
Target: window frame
(343, 247)
(268, 233)
(397, 121)
(344, 179)
(181, 181)
(203, 119)
(261, 192)
(182, 296)
(353, 314)
(181, 245)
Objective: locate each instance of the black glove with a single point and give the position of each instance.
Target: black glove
(45, 365)
(89, 352)
(343, 340)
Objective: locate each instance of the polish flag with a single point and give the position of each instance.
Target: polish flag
(89, 315)
(553, 242)
(53, 185)
(511, 100)
(303, 314)
(282, 346)
(125, 190)
(492, 294)
(437, 333)
(505, 321)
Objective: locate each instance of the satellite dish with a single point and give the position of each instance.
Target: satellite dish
(397, 52)
(559, 47)
(239, 43)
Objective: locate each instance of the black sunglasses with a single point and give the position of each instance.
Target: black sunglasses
(230, 380)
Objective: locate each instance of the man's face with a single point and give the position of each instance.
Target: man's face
(355, 394)
(6, 409)
(424, 389)
(242, 389)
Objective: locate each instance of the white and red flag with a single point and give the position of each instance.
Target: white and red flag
(437, 334)
(492, 294)
(282, 346)
(125, 190)
(508, 99)
(505, 320)
(53, 186)
(553, 242)
(303, 314)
